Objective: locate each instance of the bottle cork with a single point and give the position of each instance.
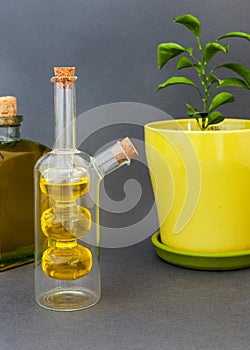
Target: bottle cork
(129, 151)
(8, 106)
(129, 148)
(64, 71)
(65, 75)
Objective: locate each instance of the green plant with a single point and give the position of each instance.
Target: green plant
(209, 83)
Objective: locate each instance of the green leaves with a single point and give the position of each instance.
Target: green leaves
(214, 118)
(176, 80)
(166, 51)
(241, 70)
(184, 62)
(204, 119)
(234, 82)
(208, 81)
(190, 22)
(211, 49)
(191, 110)
(213, 79)
(235, 35)
(220, 99)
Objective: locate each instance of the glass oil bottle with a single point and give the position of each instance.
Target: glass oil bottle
(67, 275)
(17, 160)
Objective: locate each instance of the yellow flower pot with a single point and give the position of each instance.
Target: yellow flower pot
(201, 182)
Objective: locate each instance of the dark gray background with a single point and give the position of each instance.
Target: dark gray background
(113, 45)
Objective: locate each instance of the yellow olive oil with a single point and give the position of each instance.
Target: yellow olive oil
(17, 160)
(67, 262)
(65, 191)
(63, 223)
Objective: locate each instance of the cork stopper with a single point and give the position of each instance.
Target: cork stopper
(65, 75)
(64, 71)
(8, 106)
(125, 151)
(129, 148)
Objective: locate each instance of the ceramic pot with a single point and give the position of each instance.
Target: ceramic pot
(201, 182)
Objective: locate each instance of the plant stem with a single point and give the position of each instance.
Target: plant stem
(204, 83)
(199, 43)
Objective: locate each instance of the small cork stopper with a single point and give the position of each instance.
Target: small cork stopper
(8, 106)
(65, 75)
(129, 148)
(125, 151)
(64, 71)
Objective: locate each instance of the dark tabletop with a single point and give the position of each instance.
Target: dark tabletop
(146, 304)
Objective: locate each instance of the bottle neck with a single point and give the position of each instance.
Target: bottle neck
(64, 107)
(10, 129)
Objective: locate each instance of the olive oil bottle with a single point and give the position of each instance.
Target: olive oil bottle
(17, 159)
(67, 234)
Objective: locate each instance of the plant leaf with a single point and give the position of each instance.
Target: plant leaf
(220, 99)
(214, 118)
(243, 71)
(184, 62)
(191, 110)
(190, 22)
(233, 82)
(166, 51)
(213, 79)
(211, 49)
(236, 35)
(176, 80)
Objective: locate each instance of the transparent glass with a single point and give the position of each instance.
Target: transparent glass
(67, 273)
(17, 160)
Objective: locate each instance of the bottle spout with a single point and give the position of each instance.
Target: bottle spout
(114, 156)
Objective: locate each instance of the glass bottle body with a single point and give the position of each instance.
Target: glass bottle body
(17, 160)
(67, 274)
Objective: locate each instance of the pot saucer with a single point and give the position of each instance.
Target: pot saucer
(201, 261)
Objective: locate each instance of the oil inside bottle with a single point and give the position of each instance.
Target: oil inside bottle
(63, 223)
(66, 223)
(17, 160)
(67, 261)
(65, 190)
